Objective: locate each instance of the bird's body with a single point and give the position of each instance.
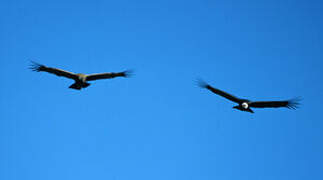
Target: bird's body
(81, 80)
(245, 104)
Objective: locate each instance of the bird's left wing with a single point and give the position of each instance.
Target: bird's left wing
(226, 95)
(290, 104)
(58, 72)
(92, 77)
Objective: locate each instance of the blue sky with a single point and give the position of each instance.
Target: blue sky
(158, 124)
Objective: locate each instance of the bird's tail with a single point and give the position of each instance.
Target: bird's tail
(76, 86)
(250, 110)
(79, 86)
(84, 85)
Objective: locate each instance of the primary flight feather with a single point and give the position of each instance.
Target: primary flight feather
(80, 79)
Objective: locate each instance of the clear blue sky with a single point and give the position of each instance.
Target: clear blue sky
(158, 125)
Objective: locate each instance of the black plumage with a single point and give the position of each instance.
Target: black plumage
(245, 104)
(80, 79)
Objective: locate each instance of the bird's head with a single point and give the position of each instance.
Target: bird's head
(81, 77)
(245, 105)
(242, 106)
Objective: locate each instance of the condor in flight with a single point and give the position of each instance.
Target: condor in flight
(245, 104)
(80, 79)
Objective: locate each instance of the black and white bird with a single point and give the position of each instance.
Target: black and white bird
(246, 105)
(81, 80)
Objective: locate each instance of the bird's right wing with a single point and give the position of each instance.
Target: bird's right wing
(93, 77)
(219, 92)
(59, 72)
(290, 104)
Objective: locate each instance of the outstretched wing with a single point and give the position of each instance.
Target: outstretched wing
(290, 104)
(92, 77)
(59, 72)
(219, 92)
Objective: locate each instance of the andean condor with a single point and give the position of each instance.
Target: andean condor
(245, 104)
(80, 79)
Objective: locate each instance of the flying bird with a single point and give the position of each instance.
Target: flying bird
(81, 80)
(245, 104)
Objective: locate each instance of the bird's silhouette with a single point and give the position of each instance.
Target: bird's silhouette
(81, 80)
(246, 105)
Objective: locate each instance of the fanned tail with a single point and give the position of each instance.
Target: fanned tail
(76, 86)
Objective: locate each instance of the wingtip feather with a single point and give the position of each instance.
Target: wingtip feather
(36, 66)
(201, 83)
(294, 103)
(128, 73)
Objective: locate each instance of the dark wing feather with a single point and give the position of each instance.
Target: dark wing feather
(59, 72)
(219, 92)
(92, 77)
(290, 104)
